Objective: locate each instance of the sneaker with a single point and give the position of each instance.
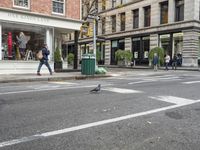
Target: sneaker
(38, 74)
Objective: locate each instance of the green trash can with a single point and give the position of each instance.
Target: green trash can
(88, 64)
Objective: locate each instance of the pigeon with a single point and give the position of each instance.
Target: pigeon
(96, 89)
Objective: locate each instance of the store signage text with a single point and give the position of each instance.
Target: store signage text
(28, 18)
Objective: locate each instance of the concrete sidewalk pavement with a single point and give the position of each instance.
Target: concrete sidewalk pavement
(76, 75)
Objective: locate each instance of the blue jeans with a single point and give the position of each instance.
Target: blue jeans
(42, 62)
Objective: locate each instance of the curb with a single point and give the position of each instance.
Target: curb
(81, 77)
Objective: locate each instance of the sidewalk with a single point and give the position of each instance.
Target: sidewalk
(76, 75)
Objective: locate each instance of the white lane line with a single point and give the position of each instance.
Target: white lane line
(173, 99)
(191, 82)
(64, 83)
(144, 81)
(52, 89)
(94, 124)
(120, 90)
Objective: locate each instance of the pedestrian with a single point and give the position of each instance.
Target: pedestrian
(174, 62)
(155, 62)
(44, 60)
(167, 60)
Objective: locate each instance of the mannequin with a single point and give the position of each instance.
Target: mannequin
(22, 40)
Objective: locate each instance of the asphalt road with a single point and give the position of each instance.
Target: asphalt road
(141, 110)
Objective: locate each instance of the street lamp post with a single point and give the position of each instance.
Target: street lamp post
(94, 40)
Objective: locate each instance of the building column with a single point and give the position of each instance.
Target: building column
(49, 41)
(107, 52)
(141, 17)
(129, 20)
(128, 44)
(118, 22)
(171, 11)
(0, 42)
(190, 48)
(153, 41)
(155, 14)
(191, 10)
(108, 25)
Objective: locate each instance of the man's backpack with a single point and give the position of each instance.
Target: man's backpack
(39, 55)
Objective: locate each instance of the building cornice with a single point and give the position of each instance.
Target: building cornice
(39, 14)
(177, 26)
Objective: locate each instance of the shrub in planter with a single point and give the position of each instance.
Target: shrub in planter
(160, 52)
(70, 58)
(128, 56)
(123, 57)
(57, 61)
(119, 57)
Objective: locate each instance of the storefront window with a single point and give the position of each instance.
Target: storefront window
(178, 47)
(21, 42)
(146, 45)
(165, 42)
(178, 43)
(136, 48)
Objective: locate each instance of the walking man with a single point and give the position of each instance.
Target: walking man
(174, 62)
(44, 60)
(155, 62)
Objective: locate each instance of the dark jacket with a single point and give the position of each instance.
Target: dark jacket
(45, 53)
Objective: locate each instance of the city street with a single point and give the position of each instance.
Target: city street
(138, 110)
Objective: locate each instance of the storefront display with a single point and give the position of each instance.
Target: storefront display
(18, 44)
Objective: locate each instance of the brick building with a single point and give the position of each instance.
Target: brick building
(35, 22)
(140, 25)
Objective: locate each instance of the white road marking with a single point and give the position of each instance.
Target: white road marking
(90, 125)
(64, 83)
(191, 82)
(52, 89)
(173, 99)
(144, 81)
(120, 90)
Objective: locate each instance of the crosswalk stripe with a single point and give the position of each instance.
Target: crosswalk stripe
(122, 91)
(191, 82)
(173, 99)
(64, 83)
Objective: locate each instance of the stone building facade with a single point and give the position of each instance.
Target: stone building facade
(140, 25)
(174, 25)
(39, 22)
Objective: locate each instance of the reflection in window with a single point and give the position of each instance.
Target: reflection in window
(179, 6)
(164, 13)
(103, 4)
(165, 42)
(123, 21)
(21, 3)
(147, 16)
(103, 25)
(58, 6)
(113, 18)
(113, 3)
(135, 18)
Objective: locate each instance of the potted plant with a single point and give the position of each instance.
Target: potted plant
(128, 57)
(70, 58)
(123, 57)
(160, 53)
(57, 61)
(119, 57)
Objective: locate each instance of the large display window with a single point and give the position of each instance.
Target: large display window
(21, 42)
